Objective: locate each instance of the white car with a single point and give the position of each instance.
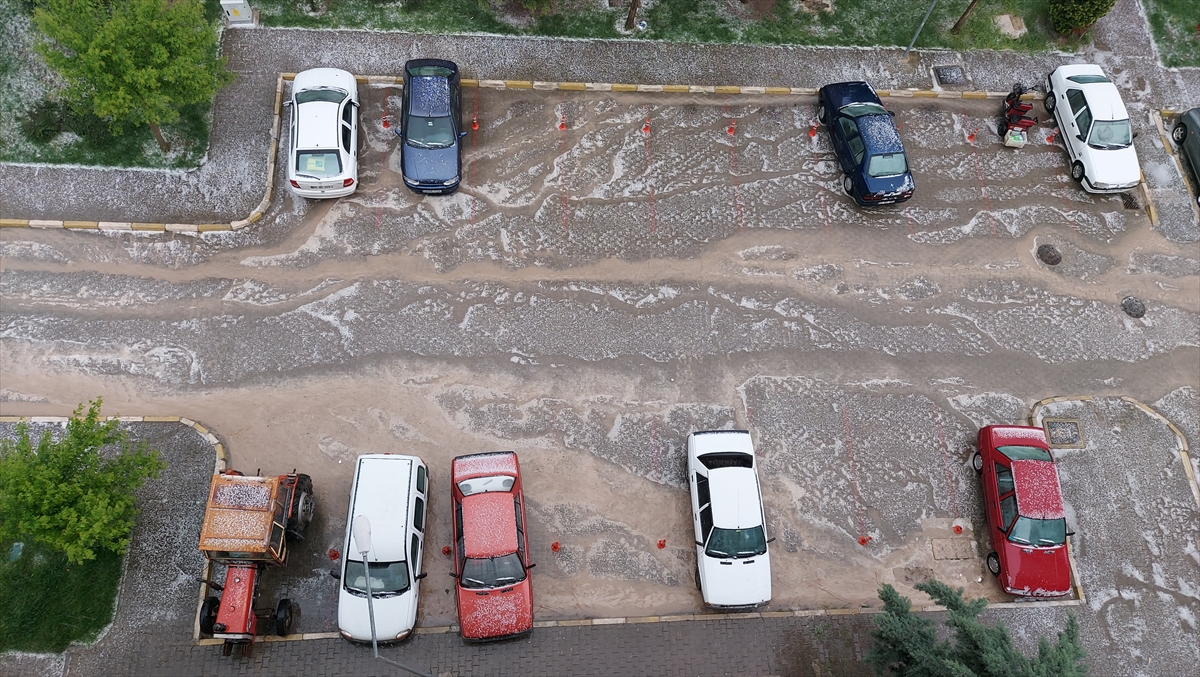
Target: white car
(1095, 127)
(733, 569)
(391, 491)
(322, 158)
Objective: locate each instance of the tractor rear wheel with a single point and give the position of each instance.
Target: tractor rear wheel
(285, 618)
(208, 614)
(301, 509)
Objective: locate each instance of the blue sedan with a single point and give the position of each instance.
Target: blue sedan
(431, 127)
(867, 144)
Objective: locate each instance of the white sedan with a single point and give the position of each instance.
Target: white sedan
(322, 158)
(733, 569)
(1095, 128)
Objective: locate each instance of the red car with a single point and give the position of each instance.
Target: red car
(491, 557)
(1024, 509)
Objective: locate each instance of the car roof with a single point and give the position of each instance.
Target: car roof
(879, 133)
(735, 500)
(317, 125)
(1038, 493)
(487, 463)
(1103, 99)
(430, 96)
(381, 492)
(489, 524)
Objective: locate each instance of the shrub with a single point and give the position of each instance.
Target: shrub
(44, 121)
(1077, 15)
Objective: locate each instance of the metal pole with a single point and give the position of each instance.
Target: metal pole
(919, 29)
(371, 605)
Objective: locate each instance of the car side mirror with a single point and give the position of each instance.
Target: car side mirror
(699, 544)
(1070, 533)
(892, 113)
(530, 566)
(1135, 134)
(336, 575)
(771, 539)
(453, 575)
(287, 103)
(421, 575)
(461, 134)
(1080, 137)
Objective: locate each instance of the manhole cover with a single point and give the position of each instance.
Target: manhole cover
(1133, 307)
(1049, 255)
(950, 75)
(1063, 433)
(1130, 201)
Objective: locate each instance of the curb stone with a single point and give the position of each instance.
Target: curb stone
(390, 80)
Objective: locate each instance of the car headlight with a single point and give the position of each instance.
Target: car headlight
(346, 635)
(403, 634)
(411, 182)
(451, 181)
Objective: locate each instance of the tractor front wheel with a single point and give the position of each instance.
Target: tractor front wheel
(302, 508)
(285, 618)
(208, 614)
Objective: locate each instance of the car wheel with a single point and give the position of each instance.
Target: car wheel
(1179, 133)
(848, 185)
(302, 508)
(977, 462)
(285, 618)
(697, 575)
(993, 562)
(208, 614)
(1050, 102)
(821, 114)
(1077, 171)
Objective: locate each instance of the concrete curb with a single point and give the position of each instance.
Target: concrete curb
(219, 464)
(273, 152)
(1182, 444)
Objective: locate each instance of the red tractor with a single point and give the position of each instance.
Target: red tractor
(247, 526)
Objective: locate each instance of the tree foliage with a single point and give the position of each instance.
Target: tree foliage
(133, 61)
(906, 645)
(1077, 15)
(68, 495)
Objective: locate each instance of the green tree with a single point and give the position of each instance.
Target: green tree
(1067, 16)
(68, 495)
(133, 62)
(906, 645)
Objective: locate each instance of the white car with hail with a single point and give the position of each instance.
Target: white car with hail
(322, 159)
(733, 569)
(1094, 126)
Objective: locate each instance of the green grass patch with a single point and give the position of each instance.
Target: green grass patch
(419, 16)
(49, 603)
(1176, 28)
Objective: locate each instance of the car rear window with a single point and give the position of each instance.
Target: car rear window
(891, 164)
(730, 459)
(1023, 453)
(1088, 79)
(327, 94)
(318, 163)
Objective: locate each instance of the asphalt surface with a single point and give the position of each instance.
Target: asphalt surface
(595, 293)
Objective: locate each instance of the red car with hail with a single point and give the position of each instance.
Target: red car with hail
(1024, 507)
(491, 556)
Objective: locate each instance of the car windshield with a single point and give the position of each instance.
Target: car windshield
(328, 94)
(1023, 453)
(388, 579)
(318, 164)
(492, 572)
(1108, 134)
(736, 543)
(889, 164)
(430, 132)
(855, 110)
(1042, 533)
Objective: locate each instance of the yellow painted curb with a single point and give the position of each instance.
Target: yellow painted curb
(211, 227)
(148, 226)
(468, 82)
(777, 90)
(727, 90)
(81, 225)
(974, 95)
(572, 86)
(676, 89)
(14, 223)
(518, 84)
(624, 88)
(925, 94)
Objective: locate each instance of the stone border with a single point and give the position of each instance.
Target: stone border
(273, 153)
(219, 464)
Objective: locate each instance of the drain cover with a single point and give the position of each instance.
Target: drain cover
(1063, 432)
(1133, 307)
(950, 75)
(1130, 201)
(1048, 254)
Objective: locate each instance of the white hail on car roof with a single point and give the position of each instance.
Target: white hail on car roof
(1103, 98)
(735, 504)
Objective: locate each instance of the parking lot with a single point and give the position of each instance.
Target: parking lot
(617, 271)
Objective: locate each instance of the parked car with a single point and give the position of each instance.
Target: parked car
(867, 144)
(323, 146)
(1186, 133)
(1024, 508)
(431, 127)
(1094, 127)
(491, 556)
(733, 568)
(391, 492)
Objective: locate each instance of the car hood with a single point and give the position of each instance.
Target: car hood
(1042, 572)
(745, 582)
(889, 185)
(393, 615)
(484, 614)
(1118, 167)
(430, 165)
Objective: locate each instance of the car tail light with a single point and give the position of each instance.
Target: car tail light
(295, 183)
(872, 198)
(347, 183)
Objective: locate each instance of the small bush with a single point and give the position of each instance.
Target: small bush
(1077, 15)
(44, 121)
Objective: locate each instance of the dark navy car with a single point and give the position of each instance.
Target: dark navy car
(431, 126)
(866, 142)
